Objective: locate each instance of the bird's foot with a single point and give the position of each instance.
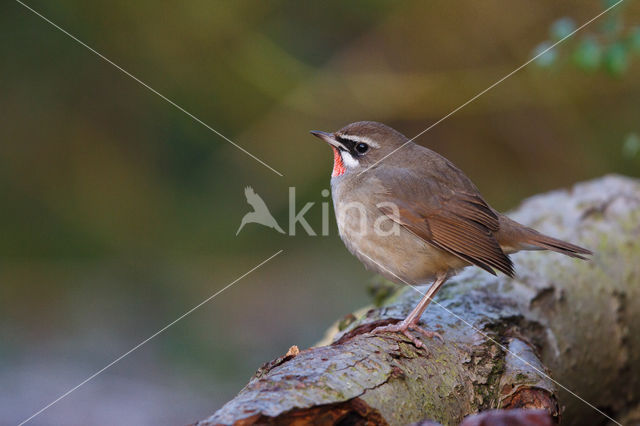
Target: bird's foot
(406, 328)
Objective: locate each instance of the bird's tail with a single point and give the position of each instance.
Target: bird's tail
(514, 236)
(541, 241)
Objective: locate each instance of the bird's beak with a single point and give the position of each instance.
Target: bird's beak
(327, 137)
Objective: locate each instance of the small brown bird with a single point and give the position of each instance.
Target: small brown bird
(409, 214)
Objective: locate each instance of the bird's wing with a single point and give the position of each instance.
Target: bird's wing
(445, 209)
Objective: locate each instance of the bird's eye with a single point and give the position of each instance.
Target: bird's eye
(361, 148)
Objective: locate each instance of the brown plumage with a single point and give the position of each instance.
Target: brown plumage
(444, 223)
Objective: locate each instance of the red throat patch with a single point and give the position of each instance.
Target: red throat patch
(338, 165)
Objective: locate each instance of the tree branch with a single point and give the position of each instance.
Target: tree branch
(504, 339)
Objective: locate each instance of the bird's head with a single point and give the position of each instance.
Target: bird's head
(361, 145)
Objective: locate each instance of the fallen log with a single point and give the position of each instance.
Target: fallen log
(563, 336)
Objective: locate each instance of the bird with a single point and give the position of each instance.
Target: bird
(260, 213)
(409, 214)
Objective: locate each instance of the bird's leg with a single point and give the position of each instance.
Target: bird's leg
(411, 321)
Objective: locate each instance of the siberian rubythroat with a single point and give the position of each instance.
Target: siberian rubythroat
(411, 215)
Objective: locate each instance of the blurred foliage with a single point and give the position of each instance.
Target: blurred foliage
(631, 146)
(609, 48)
(380, 290)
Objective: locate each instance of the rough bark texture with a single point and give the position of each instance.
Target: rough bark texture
(575, 321)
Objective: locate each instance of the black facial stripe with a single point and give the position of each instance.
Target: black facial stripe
(351, 145)
(347, 143)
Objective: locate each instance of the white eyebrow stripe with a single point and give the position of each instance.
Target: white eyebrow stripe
(357, 139)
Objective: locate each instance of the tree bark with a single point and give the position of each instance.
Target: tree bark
(563, 336)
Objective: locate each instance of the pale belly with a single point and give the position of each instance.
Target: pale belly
(389, 249)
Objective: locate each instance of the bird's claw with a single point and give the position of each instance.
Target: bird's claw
(406, 328)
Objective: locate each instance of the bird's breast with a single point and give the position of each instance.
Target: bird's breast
(386, 247)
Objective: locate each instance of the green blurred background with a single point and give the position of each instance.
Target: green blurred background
(119, 212)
